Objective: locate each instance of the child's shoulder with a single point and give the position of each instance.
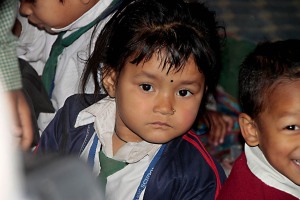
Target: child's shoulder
(191, 150)
(189, 153)
(241, 180)
(73, 105)
(61, 133)
(186, 170)
(77, 102)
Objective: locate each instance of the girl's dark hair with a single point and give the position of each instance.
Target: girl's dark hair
(264, 68)
(142, 27)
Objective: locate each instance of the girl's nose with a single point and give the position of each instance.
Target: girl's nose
(25, 8)
(164, 104)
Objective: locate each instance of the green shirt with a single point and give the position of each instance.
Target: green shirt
(9, 69)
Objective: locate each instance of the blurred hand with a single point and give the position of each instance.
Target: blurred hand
(220, 125)
(21, 118)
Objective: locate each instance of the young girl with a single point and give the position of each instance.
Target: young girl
(158, 66)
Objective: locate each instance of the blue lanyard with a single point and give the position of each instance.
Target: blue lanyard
(148, 173)
(92, 152)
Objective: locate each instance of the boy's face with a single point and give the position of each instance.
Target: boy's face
(47, 14)
(279, 130)
(153, 106)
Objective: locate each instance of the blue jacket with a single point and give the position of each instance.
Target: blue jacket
(184, 171)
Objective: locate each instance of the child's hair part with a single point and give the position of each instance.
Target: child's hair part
(263, 69)
(174, 28)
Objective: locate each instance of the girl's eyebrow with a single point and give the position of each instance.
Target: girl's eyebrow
(188, 82)
(145, 74)
(178, 81)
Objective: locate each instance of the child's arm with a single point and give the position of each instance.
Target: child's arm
(11, 78)
(50, 138)
(61, 135)
(220, 125)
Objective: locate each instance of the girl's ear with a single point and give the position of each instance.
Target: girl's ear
(109, 83)
(248, 129)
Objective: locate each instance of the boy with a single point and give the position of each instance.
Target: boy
(269, 84)
(73, 21)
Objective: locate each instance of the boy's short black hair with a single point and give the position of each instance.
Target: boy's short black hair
(263, 69)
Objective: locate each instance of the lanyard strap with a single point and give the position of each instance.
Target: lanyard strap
(92, 152)
(148, 173)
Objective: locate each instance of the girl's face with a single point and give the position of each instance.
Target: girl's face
(279, 130)
(154, 106)
(47, 14)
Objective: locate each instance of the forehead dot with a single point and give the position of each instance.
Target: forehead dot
(171, 81)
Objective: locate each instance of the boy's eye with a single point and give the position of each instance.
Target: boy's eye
(146, 87)
(292, 127)
(184, 93)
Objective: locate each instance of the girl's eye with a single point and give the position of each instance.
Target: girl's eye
(292, 127)
(146, 87)
(184, 93)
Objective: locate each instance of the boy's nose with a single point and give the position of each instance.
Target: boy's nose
(25, 9)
